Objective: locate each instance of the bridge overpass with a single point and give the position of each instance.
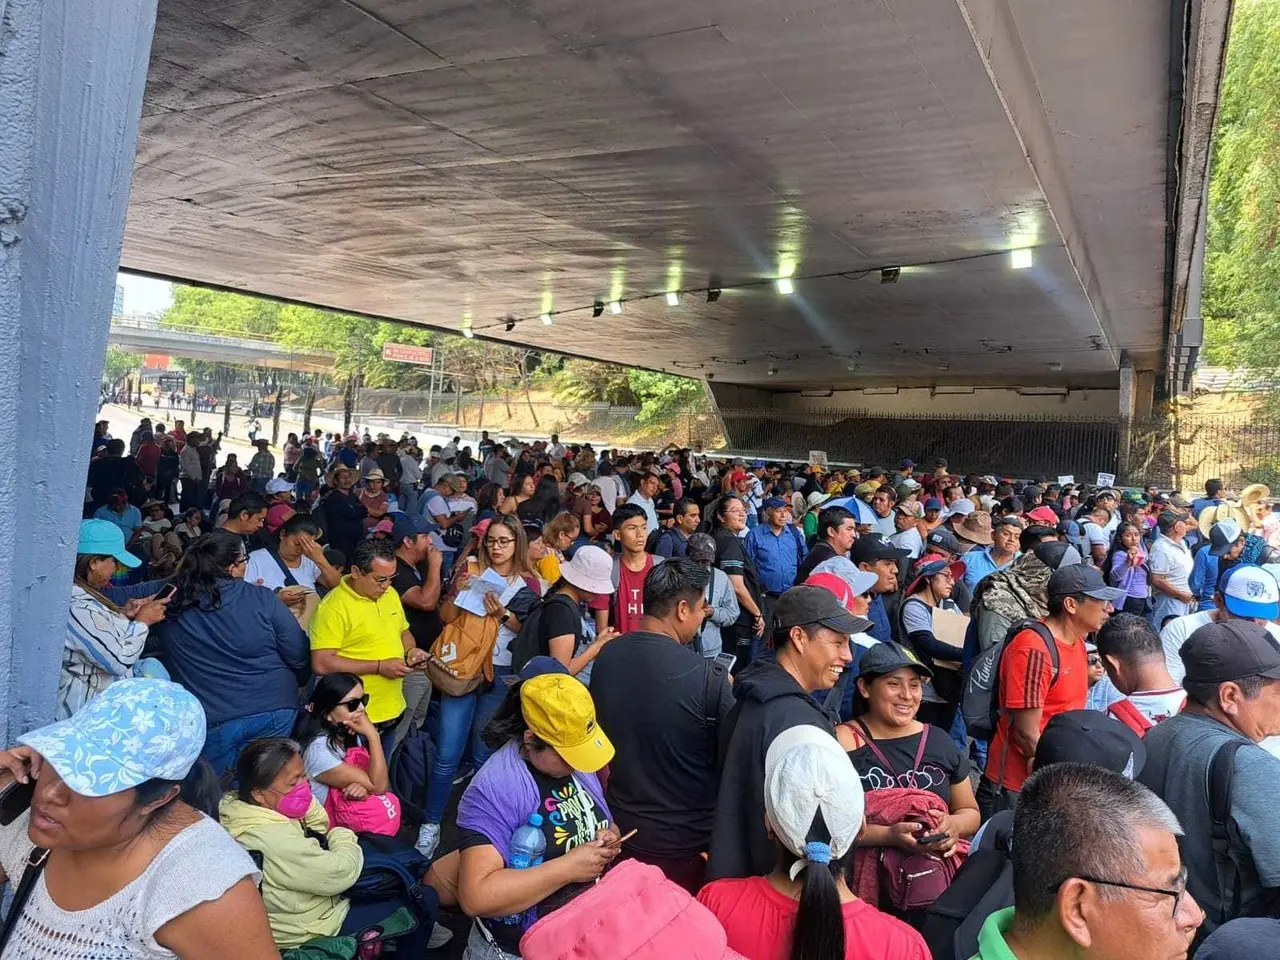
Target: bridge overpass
(858, 202)
(144, 335)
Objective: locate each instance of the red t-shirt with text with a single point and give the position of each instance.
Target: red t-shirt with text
(1026, 682)
(626, 606)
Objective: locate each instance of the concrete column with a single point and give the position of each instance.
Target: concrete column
(72, 74)
(1127, 403)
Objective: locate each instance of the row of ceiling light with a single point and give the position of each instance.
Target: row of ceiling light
(1019, 259)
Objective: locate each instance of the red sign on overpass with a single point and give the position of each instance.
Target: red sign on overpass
(407, 353)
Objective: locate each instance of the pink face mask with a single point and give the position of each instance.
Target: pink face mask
(296, 802)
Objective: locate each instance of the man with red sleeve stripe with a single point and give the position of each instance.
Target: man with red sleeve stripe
(1030, 696)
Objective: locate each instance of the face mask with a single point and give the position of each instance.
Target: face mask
(296, 802)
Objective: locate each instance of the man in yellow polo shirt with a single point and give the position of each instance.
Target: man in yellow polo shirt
(360, 627)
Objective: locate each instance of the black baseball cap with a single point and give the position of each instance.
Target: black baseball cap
(804, 605)
(1055, 553)
(1230, 650)
(886, 657)
(944, 538)
(875, 546)
(1089, 736)
(1078, 578)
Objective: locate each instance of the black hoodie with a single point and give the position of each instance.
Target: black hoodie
(769, 700)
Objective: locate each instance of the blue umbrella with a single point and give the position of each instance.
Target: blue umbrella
(861, 511)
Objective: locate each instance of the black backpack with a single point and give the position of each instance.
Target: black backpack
(982, 886)
(529, 642)
(980, 701)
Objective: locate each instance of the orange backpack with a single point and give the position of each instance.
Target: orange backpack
(462, 656)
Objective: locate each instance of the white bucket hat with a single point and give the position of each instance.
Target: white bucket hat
(807, 771)
(591, 569)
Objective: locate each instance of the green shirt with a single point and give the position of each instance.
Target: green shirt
(991, 945)
(810, 526)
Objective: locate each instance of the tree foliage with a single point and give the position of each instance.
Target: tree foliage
(1241, 303)
(119, 364)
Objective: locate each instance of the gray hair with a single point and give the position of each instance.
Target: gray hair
(701, 548)
(1076, 819)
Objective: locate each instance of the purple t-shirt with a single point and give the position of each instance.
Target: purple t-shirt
(1132, 579)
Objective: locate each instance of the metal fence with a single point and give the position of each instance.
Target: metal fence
(1182, 450)
(1018, 446)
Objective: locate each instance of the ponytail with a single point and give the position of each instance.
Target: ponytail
(819, 931)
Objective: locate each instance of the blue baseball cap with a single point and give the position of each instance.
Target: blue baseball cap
(773, 503)
(102, 538)
(410, 525)
(1250, 591)
(136, 730)
(537, 666)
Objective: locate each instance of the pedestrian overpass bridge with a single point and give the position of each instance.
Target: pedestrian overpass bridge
(144, 335)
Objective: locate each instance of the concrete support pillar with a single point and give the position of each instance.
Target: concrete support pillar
(1128, 394)
(72, 73)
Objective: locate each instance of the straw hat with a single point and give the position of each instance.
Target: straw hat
(1222, 511)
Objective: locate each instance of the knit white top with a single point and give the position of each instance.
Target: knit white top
(200, 864)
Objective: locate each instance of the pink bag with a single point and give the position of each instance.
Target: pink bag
(378, 813)
(633, 913)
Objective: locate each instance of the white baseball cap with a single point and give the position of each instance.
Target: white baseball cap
(1250, 591)
(806, 771)
(961, 508)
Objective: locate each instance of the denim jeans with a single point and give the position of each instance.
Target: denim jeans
(224, 741)
(479, 947)
(458, 724)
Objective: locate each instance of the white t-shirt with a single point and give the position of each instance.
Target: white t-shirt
(884, 526)
(436, 505)
(1172, 560)
(198, 865)
(262, 568)
(1096, 535)
(650, 511)
(1157, 705)
(319, 757)
(909, 540)
(1176, 632)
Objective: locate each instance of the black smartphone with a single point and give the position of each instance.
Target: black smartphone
(932, 838)
(728, 659)
(167, 592)
(15, 797)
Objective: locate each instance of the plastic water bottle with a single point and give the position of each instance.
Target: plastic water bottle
(528, 844)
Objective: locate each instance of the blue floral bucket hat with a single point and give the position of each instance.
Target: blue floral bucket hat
(136, 730)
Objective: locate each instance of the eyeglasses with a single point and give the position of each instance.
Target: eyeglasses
(1095, 660)
(355, 702)
(381, 581)
(499, 541)
(1177, 892)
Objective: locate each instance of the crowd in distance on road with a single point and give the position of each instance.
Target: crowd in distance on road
(581, 703)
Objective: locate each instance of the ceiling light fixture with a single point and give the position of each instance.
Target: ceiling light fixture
(673, 299)
(510, 324)
(785, 286)
(713, 295)
(468, 332)
(615, 306)
(1021, 258)
(773, 371)
(597, 308)
(546, 319)
(890, 274)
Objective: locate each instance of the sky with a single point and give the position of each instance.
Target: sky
(145, 295)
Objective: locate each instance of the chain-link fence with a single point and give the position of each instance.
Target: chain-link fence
(1182, 450)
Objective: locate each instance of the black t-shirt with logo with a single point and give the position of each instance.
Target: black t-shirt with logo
(423, 624)
(570, 818)
(941, 766)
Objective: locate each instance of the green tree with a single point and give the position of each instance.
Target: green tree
(118, 364)
(663, 395)
(588, 381)
(1241, 304)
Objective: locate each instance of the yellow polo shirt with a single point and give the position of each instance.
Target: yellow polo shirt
(364, 629)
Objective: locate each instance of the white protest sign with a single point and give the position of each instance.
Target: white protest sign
(1106, 479)
(818, 458)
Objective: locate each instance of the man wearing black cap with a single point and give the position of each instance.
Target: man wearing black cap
(1233, 703)
(811, 638)
(875, 554)
(1031, 691)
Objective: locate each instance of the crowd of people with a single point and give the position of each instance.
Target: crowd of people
(607, 704)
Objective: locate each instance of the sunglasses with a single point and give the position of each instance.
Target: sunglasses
(355, 702)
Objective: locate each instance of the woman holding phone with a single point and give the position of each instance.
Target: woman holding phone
(104, 641)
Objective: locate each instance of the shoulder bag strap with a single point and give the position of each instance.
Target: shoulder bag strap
(35, 866)
(924, 741)
(710, 691)
(289, 579)
(871, 745)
